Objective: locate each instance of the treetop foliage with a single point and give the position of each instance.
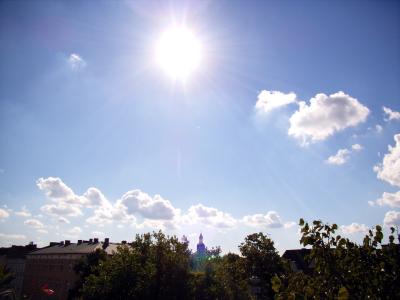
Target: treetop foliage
(156, 266)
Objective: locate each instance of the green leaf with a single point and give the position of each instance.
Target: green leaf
(276, 284)
(343, 293)
(301, 222)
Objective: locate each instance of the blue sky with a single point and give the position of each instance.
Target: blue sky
(283, 119)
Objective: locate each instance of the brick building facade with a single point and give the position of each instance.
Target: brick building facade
(54, 266)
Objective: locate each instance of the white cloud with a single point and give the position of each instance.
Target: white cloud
(94, 197)
(34, 223)
(76, 61)
(339, 158)
(378, 128)
(75, 231)
(23, 213)
(61, 209)
(4, 214)
(62, 219)
(326, 115)
(388, 199)
(12, 236)
(156, 207)
(134, 205)
(356, 147)
(209, 216)
(65, 201)
(389, 169)
(268, 101)
(354, 228)
(343, 155)
(98, 233)
(288, 225)
(271, 220)
(392, 218)
(42, 231)
(391, 114)
(58, 191)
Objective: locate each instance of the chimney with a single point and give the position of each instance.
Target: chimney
(62, 243)
(106, 241)
(90, 241)
(53, 244)
(67, 242)
(79, 242)
(123, 242)
(96, 240)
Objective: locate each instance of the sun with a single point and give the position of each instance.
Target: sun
(178, 52)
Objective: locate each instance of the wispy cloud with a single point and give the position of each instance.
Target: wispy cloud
(34, 223)
(389, 169)
(354, 228)
(76, 61)
(343, 155)
(24, 212)
(4, 214)
(268, 101)
(390, 114)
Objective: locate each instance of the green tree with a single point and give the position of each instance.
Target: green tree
(263, 261)
(232, 278)
(342, 269)
(86, 266)
(6, 277)
(153, 266)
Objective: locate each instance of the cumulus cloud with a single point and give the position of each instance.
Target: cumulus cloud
(64, 200)
(4, 214)
(339, 158)
(268, 101)
(34, 223)
(76, 61)
(75, 230)
(391, 114)
(61, 209)
(343, 155)
(354, 228)
(389, 169)
(326, 115)
(24, 212)
(156, 207)
(209, 216)
(270, 220)
(356, 147)
(392, 218)
(56, 190)
(387, 199)
(135, 208)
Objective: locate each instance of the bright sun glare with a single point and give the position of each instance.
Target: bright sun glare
(178, 52)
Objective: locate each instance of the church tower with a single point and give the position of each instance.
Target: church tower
(201, 248)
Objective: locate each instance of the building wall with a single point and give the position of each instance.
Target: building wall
(55, 270)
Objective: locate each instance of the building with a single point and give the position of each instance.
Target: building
(53, 266)
(14, 259)
(201, 248)
(297, 259)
